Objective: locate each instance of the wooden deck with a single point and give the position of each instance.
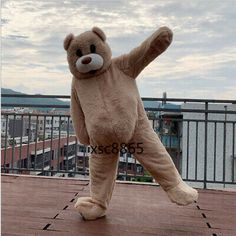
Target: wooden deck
(44, 206)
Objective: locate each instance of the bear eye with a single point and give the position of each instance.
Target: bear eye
(92, 48)
(79, 53)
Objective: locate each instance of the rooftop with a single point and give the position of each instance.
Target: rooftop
(44, 206)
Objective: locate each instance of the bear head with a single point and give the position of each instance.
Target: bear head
(88, 54)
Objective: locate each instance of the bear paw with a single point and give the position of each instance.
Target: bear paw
(182, 194)
(88, 209)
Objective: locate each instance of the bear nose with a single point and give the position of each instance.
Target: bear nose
(86, 60)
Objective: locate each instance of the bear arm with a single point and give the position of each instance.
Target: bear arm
(77, 117)
(135, 61)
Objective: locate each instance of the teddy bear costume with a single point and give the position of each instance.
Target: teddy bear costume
(106, 108)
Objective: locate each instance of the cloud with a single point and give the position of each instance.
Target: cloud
(193, 64)
(200, 62)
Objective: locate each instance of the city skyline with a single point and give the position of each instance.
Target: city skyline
(200, 63)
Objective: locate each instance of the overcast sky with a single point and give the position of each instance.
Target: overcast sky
(200, 63)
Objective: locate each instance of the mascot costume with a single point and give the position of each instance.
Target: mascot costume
(107, 112)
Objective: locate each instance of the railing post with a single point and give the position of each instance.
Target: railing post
(28, 144)
(13, 143)
(5, 145)
(233, 134)
(205, 146)
(224, 145)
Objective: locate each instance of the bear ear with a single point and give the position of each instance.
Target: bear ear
(67, 41)
(99, 32)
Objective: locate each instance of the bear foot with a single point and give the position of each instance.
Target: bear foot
(182, 194)
(88, 209)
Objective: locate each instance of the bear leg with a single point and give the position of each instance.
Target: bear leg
(158, 162)
(103, 170)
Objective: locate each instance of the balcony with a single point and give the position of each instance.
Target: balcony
(39, 151)
(44, 206)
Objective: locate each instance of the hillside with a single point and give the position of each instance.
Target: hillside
(33, 101)
(54, 101)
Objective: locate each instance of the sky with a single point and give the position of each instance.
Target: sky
(200, 63)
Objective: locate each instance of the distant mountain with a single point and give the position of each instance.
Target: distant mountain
(54, 101)
(9, 91)
(32, 101)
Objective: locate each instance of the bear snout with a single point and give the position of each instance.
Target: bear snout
(86, 60)
(89, 63)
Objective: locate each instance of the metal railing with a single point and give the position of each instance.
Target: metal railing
(199, 134)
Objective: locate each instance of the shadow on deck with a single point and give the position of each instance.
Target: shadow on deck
(44, 206)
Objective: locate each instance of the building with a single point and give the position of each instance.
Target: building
(51, 154)
(169, 128)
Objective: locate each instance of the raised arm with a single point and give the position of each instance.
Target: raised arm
(135, 61)
(77, 116)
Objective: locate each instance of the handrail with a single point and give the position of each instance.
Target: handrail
(177, 111)
(143, 98)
